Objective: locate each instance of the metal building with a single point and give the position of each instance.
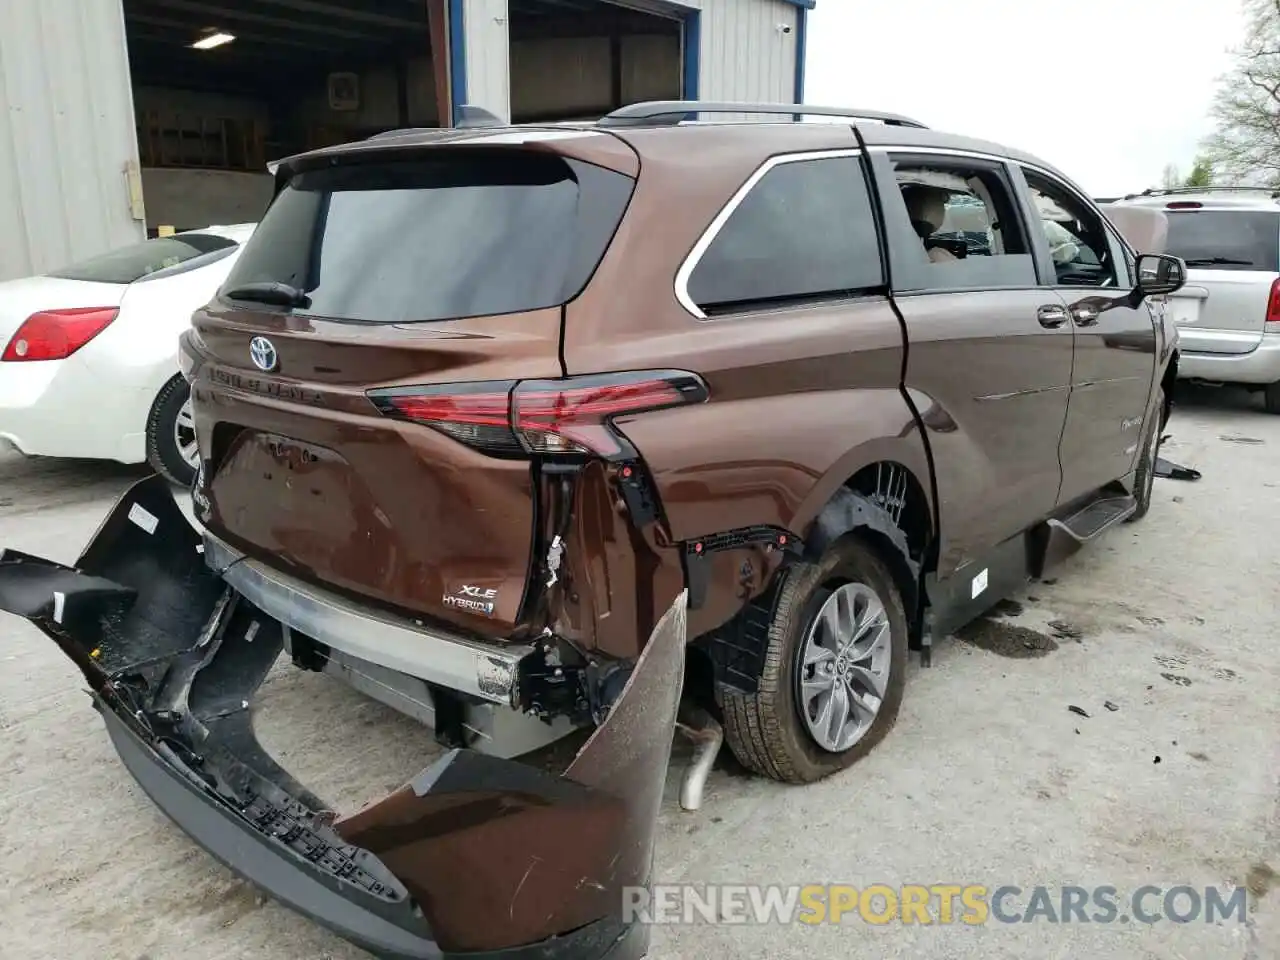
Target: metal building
(125, 116)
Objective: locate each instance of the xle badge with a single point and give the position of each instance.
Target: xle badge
(473, 600)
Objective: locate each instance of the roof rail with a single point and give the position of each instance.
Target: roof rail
(1173, 191)
(676, 111)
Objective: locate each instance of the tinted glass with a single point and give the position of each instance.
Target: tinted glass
(1225, 239)
(460, 235)
(142, 259)
(806, 230)
(195, 263)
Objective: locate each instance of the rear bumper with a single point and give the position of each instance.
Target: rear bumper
(476, 856)
(60, 408)
(258, 858)
(486, 671)
(1260, 366)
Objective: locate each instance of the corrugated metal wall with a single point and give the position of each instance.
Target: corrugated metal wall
(487, 68)
(66, 133)
(745, 55)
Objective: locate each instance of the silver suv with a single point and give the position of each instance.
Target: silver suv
(1228, 314)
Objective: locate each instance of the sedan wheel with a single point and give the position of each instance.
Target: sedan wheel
(184, 435)
(171, 436)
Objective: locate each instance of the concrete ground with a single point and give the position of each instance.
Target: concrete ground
(988, 779)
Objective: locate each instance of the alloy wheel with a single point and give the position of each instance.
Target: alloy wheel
(184, 435)
(844, 667)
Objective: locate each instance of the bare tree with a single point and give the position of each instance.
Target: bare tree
(1245, 146)
(1172, 177)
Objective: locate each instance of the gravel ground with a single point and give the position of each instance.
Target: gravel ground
(989, 777)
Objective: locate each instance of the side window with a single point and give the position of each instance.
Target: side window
(805, 232)
(964, 216)
(1082, 251)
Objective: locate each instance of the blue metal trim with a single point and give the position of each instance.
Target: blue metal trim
(803, 4)
(457, 57)
(802, 46)
(692, 54)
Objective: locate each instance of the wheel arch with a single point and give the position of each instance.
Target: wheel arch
(887, 504)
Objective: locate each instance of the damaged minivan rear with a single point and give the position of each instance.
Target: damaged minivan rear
(401, 485)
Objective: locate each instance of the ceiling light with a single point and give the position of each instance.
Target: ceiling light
(212, 40)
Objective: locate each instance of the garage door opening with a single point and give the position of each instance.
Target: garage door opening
(580, 59)
(220, 89)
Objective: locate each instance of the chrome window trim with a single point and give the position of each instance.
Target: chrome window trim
(713, 229)
(1067, 184)
(995, 157)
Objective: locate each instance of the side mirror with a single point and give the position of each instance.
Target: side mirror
(1160, 274)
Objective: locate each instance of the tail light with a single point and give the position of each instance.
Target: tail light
(1273, 309)
(571, 417)
(1184, 205)
(57, 334)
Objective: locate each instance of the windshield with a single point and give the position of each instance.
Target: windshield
(1226, 239)
(461, 234)
(128, 264)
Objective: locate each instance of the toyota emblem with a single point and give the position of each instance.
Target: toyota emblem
(263, 354)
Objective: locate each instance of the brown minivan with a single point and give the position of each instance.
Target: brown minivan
(490, 419)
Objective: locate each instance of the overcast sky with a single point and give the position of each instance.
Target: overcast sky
(1110, 91)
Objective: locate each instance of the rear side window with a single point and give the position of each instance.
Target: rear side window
(805, 232)
(1225, 239)
(461, 234)
(128, 264)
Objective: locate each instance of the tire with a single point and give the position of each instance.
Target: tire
(170, 419)
(1144, 477)
(766, 730)
(1271, 398)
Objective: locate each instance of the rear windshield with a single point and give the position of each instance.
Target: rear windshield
(462, 234)
(142, 259)
(1226, 239)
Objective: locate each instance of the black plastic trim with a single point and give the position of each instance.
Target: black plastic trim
(253, 856)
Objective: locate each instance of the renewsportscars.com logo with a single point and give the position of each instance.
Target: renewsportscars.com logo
(939, 903)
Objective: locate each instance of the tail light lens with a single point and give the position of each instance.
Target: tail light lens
(571, 417)
(1273, 309)
(57, 334)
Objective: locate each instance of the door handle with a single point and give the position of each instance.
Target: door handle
(1084, 315)
(1052, 316)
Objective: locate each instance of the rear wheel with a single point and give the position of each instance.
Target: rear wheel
(1271, 398)
(834, 669)
(171, 437)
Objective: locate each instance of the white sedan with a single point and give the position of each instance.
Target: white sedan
(88, 353)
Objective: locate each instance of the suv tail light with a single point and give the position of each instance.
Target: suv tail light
(57, 334)
(1273, 309)
(549, 417)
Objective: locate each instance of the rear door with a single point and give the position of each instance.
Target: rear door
(352, 398)
(1233, 260)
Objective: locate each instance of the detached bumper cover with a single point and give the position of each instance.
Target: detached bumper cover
(476, 856)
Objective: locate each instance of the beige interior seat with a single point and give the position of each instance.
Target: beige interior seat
(927, 208)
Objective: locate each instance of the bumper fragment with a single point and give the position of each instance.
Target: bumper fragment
(477, 856)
